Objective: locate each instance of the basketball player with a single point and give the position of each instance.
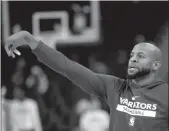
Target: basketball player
(139, 103)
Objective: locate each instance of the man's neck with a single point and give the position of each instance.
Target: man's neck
(143, 81)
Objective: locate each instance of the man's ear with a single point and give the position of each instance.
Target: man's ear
(156, 65)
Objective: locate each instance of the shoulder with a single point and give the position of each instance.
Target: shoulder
(165, 84)
(160, 92)
(164, 88)
(110, 77)
(111, 80)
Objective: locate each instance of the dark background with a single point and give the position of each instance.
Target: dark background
(121, 22)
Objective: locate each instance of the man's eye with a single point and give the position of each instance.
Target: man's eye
(140, 56)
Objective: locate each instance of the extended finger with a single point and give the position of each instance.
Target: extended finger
(17, 52)
(13, 55)
(8, 45)
(7, 50)
(13, 47)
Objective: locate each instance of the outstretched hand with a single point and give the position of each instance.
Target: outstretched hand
(16, 40)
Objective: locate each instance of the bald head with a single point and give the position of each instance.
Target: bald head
(152, 50)
(145, 59)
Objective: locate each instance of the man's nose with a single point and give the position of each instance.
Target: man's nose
(133, 59)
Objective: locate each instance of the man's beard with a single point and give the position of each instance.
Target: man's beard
(140, 73)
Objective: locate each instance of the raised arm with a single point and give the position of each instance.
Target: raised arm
(78, 74)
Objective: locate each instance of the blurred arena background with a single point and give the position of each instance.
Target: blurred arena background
(98, 35)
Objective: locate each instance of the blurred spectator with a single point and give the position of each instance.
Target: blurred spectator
(162, 40)
(121, 57)
(24, 112)
(84, 104)
(92, 117)
(53, 110)
(18, 76)
(16, 28)
(80, 18)
(43, 83)
(139, 38)
(57, 106)
(120, 64)
(94, 120)
(3, 119)
(98, 66)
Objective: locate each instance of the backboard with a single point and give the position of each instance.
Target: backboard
(68, 23)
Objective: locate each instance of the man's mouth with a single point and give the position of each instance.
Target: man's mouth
(133, 67)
